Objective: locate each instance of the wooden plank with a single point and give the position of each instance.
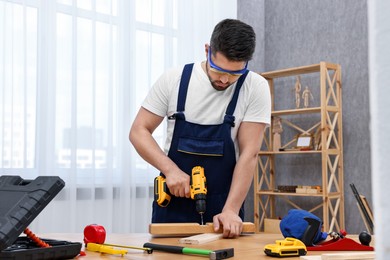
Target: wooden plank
(367, 206)
(291, 71)
(349, 256)
(177, 229)
(288, 152)
(200, 239)
(364, 219)
(341, 256)
(296, 111)
(310, 257)
(363, 209)
(298, 70)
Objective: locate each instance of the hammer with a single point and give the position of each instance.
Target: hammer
(213, 254)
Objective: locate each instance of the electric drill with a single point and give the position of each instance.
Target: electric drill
(198, 190)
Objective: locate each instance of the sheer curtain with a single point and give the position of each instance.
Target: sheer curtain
(72, 77)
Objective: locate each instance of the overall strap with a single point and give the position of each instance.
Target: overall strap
(185, 79)
(229, 118)
(232, 105)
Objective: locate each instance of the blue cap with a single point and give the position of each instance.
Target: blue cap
(294, 225)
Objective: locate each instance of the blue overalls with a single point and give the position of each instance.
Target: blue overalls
(209, 146)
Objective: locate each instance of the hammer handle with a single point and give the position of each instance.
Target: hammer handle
(165, 248)
(177, 249)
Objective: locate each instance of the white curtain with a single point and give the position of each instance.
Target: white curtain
(72, 77)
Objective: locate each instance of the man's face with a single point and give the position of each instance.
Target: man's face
(221, 72)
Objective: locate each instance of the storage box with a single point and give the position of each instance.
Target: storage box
(20, 202)
(308, 189)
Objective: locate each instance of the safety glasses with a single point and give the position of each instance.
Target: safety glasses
(217, 69)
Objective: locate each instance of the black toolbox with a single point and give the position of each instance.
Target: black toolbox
(20, 202)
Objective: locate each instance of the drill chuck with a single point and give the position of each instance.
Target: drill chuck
(200, 202)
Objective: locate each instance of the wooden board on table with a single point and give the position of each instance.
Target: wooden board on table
(341, 256)
(178, 229)
(200, 239)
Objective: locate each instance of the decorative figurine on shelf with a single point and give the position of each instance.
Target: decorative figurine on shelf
(306, 95)
(277, 129)
(317, 139)
(298, 92)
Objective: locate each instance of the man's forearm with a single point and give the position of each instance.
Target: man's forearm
(150, 151)
(241, 182)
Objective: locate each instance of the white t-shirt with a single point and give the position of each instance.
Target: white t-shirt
(205, 105)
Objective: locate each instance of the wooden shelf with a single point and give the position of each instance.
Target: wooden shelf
(299, 70)
(328, 151)
(296, 111)
(277, 193)
(288, 152)
(299, 111)
(327, 132)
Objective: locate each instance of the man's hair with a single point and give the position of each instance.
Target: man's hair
(234, 39)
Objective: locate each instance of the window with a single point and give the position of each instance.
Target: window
(73, 75)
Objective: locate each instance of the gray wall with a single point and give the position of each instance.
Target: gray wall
(303, 32)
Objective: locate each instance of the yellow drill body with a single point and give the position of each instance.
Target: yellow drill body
(198, 190)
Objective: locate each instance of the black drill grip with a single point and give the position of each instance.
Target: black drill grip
(165, 248)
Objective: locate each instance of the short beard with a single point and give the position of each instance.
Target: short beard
(213, 82)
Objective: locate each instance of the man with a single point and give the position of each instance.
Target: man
(217, 111)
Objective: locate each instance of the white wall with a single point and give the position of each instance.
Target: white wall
(379, 53)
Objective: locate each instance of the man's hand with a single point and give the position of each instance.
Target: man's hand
(230, 222)
(178, 183)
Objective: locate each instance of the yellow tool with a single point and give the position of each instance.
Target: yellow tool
(109, 248)
(105, 249)
(286, 248)
(198, 190)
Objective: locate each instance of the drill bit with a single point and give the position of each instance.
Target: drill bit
(201, 219)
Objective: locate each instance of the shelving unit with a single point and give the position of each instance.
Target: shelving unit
(326, 133)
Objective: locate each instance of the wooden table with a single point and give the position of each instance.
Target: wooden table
(246, 247)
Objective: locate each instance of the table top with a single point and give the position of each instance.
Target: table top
(248, 246)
